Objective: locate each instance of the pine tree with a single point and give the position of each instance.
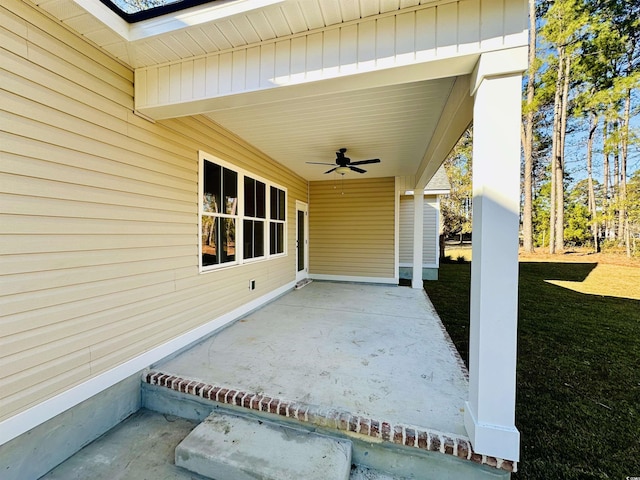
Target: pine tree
(566, 26)
(456, 208)
(527, 134)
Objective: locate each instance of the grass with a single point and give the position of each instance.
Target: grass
(578, 375)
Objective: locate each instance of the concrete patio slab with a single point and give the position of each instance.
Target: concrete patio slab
(376, 355)
(372, 350)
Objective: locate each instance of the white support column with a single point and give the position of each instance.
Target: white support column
(490, 411)
(418, 220)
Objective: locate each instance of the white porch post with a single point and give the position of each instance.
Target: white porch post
(490, 411)
(418, 220)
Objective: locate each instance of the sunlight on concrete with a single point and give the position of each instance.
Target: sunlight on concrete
(608, 280)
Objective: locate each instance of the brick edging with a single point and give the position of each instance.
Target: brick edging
(410, 436)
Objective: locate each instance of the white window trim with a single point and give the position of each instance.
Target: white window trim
(240, 260)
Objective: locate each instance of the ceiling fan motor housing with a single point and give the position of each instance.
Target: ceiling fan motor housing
(342, 162)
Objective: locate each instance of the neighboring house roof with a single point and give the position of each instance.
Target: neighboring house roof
(439, 182)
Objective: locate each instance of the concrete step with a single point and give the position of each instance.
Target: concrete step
(229, 447)
(303, 283)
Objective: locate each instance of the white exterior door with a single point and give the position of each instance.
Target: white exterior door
(302, 241)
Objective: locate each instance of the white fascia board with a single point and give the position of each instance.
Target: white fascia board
(429, 192)
(105, 15)
(437, 192)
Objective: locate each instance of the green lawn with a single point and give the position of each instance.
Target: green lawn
(578, 376)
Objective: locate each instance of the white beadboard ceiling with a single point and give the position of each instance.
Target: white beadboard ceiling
(393, 123)
(390, 123)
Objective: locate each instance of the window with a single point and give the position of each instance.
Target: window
(219, 214)
(255, 204)
(136, 10)
(276, 224)
(242, 217)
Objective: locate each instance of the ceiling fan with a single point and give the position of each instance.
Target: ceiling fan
(344, 164)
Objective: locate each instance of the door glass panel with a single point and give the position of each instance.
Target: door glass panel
(301, 240)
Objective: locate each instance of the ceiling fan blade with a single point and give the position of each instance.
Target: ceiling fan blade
(329, 171)
(319, 163)
(356, 169)
(364, 162)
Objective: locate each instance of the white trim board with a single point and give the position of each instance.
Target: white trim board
(348, 278)
(24, 421)
(424, 265)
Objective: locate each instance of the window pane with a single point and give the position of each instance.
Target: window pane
(282, 205)
(274, 203)
(280, 227)
(210, 240)
(258, 239)
(272, 238)
(261, 200)
(253, 239)
(247, 252)
(228, 253)
(276, 238)
(249, 197)
(230, 186)
(212, 190)
(278, 204)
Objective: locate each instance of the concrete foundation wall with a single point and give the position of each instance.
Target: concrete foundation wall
(37, 451)
(428, 273)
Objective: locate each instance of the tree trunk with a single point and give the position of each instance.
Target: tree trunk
(624, 148)
(560, 171)
(606, 168)
(616, 183)
(593, 125)
(527, 210)
(555, 147)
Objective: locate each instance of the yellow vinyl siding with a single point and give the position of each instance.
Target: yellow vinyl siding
(351, 227)
(99, 216)
(406, 229)
(429, 230)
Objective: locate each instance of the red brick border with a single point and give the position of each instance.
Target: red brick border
(410, 436)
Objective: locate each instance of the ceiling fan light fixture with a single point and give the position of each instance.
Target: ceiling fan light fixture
(343, 170)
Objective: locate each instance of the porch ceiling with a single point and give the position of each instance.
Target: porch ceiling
(393, 123)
